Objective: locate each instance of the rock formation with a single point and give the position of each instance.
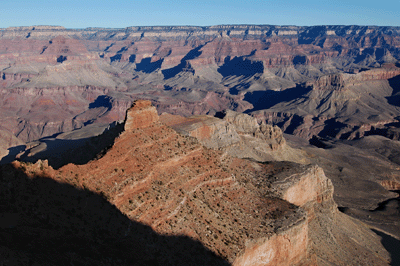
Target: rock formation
(187, 71)
(237, 134)
(342, 106)
(245, 212)
(332, 86)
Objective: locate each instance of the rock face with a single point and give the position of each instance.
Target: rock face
(311, 187)
(200, 70)
(237, 209)
(247, 125)
(66, 109)
(212, 132)
(341, 106)
(280, 249)
(8, 140)
(141, 115)
(318, 83)
(237, 134)
(334, 238)
(340, 81)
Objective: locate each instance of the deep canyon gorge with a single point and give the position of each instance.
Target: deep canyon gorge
(185, 145)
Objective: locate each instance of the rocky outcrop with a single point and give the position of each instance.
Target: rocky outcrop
(173, 184)
(341, 81)
(235, 208)
(141, 115)
(280, 249)
(329, 82)
(334, 238)
(195, 70)
(8, 140)
(391, 184)
(341, 106)
(10, 79)
(238, 135)
(307, 188)
(248, 125)
(23, 110)
(212, 132)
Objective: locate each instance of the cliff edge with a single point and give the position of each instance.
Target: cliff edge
(242, 211)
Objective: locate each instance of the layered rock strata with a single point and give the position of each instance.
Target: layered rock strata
(334, 238)
(174, 185)
(341, 106)
(235, 208)
(237, 134)
(193, 70)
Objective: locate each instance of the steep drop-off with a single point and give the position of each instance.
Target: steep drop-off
(201, 70)
(326, 84)
(242, 211)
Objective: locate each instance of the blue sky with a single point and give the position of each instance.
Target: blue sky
(120, 14)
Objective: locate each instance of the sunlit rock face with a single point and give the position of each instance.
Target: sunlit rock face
(318, 83)
(241, 211)
(195, 71)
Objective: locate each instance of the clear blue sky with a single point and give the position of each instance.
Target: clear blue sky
(120, 14)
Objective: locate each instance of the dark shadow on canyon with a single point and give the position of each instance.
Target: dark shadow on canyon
(311, 34)
(61, 59)
(240, 66)
(44, 222)
(60, 152)
(299, 60)
(147, 66)
(116, 57)
(319, 142)
(183, 65)
(394, 99)
(132, 58)
(101, 101)
(332, 128)
(12, 153)
(392, 245)
(267, 99)
(365, 55)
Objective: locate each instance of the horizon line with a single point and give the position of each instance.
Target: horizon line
(195, 26)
